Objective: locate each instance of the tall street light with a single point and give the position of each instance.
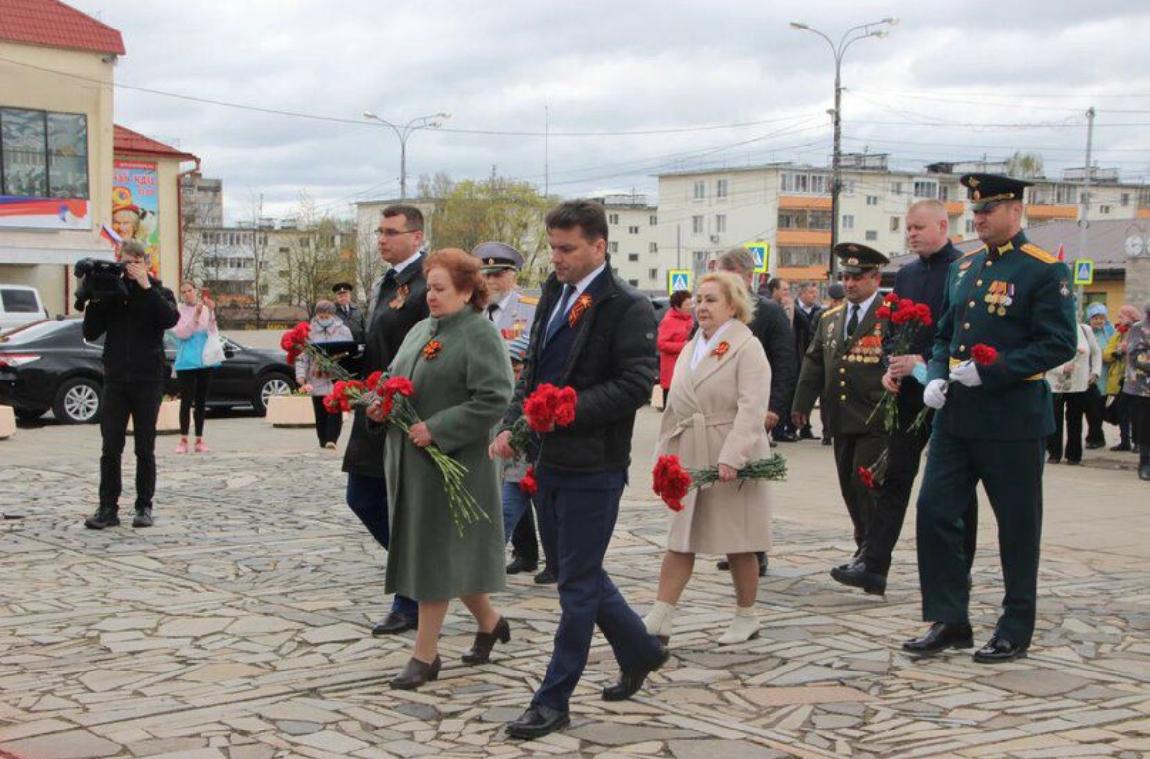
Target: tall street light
(403, 131)
(850, 36)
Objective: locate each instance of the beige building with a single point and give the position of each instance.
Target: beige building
(703, 212)
(56, 145)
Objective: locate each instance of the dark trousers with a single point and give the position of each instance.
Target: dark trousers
(1011, 472)
(885, 524)
(523, 543)
(1095, 408)
(194, 384)
(1139, 411)
(852, 452)
(141, 402)
(585, 509)
(367, 497)
(1068, 411)
(1125, 418)
(327, 425)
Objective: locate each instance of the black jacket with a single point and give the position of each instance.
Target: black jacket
(353, 318)
(771, 326)
(805, 328)
(400, 304)
(134, 329)
(613, 367)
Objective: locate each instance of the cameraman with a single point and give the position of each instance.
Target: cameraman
(133, 380)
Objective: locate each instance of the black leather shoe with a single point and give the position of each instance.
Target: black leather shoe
(1120, 447)
(630, 682)
(785, 437)
(396, 622)
(1073, 462)
(518, 565)
(1053, 459)
(143, 518)
(858, 576)
(105, 516)
(806, 433)
(940, 637)
(828, 441)
(1144, 472)
(546, 577)
(999, 649)
(763, 565)
(537, 721)
(1094, 445)
(416, 673)
(480, 652)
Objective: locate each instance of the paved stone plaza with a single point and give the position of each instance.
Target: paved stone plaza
(239, 626)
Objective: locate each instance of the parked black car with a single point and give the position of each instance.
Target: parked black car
(48, 365)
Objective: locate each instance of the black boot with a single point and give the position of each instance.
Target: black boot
(480, 652)
(105, 516)
(143, 517)
(1144, 465)
(415, 674)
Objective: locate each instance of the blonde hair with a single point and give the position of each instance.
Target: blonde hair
(734, 291)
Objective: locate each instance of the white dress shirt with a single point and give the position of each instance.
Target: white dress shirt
(580, 286)
(399, 267)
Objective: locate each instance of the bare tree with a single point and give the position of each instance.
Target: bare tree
(316, 257)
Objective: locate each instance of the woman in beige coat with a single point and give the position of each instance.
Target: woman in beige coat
(715, 416)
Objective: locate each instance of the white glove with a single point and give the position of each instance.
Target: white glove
(966, 373)
(934, 395)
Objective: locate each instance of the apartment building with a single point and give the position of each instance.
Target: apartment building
(788, 205)
(632, 241)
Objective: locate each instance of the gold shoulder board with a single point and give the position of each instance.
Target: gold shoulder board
(1034, 251)
(528, 300)
(831, 311)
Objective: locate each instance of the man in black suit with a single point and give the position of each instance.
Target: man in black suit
(807, 311)
(596, 334)
(773, 329)
(398, 300)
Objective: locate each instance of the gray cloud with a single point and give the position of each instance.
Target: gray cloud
(617, 66)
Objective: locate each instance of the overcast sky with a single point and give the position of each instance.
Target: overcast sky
(954, 80)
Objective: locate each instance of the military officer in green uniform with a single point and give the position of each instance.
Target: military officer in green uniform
(844, 365)
(992, 419)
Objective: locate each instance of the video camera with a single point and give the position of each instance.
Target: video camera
(99, 280)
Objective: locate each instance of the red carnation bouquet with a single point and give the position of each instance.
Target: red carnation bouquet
(906, 320)
(394, 396)
(873, 476)
(295, 342)
(672, 481)
(545, 409)
(528, 484)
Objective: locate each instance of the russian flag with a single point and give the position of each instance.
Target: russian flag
(1061, 253)
(110, 235)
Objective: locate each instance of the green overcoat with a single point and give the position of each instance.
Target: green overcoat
(462, 394)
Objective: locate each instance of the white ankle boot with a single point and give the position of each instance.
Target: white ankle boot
(660, 620)
(744, 627)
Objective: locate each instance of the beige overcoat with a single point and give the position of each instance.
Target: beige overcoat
(716, 414)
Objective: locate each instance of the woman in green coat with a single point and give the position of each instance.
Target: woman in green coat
(463, 382)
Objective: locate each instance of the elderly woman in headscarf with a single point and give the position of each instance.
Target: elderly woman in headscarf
(1136, 388)
(1114, 357)
(1096, 394)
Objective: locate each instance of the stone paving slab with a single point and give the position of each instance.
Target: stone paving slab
(239, 627)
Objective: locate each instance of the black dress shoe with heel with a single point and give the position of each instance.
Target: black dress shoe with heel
(856, 575)
(940, 637)
(480, 652)
(537, 721)
(997, 650)
(395, 623)
(546, 577)
(416, 673)
(519, 564)
(630, 682)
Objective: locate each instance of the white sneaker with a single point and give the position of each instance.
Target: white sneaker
(743, 627)
(660, 620)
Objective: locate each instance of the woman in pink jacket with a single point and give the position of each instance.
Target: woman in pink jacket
(674, 332)
(197, 322)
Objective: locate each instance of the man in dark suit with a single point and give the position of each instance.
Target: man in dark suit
(773, 329)
(596, 334)
(807, 311)
(923, 280)
(398, 301)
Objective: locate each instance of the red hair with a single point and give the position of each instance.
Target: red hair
(463, 268)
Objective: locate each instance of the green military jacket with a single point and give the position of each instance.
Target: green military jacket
(1016, 299)
(846, 372)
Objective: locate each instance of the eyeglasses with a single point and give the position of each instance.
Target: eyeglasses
(394, 232)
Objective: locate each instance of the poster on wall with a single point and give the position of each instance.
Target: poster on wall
(136, 206)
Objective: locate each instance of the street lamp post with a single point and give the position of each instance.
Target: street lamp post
(850, 36)
(431, 121)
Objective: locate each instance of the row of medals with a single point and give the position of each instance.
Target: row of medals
(998, 296)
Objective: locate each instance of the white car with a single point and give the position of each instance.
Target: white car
(20, 304)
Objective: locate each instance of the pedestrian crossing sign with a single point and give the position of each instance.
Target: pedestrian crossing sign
(678, 279)
(1083, 271)
(761, 250)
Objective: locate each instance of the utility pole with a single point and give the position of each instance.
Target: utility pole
(546, 150)
(1084, 214)
(849, 37)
